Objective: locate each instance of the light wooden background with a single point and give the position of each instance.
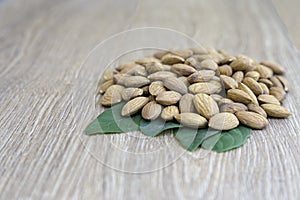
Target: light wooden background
(45, 103)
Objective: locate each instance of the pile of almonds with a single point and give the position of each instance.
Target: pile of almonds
(198, 88)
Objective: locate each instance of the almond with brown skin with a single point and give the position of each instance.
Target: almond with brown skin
(136, 81)
(169, 112)
(224, 70)
(207, 88)
(241, 64)
(257, 109)
(108, 75)
(276, 68)
(103, 87)
(184, 80)
(205, 105)
(228, 82)
(170, 59)
(186, 104)
(232, 107)
(176, 85)
(216, 97)
(160, 54)
(239, 96)
(161, 75)
(265, 81)
(201, 76)
(112, 95)
(134, 105)
(278, 92)
(168, 98)
(191, 120)
(223, 121)
(245, 88)
(238, 76)
(253, 74)
(276, 82)
(126, 65)
(276, 111)
(129, 93)
(252, 119)
(264, 71)
(224, 101)
(270, 99)
(227, 60)
(184, 53)
(265, 88)
(151, 110)
(144, 61)
(156, 87)
(153, 67)
(209, 64)
(253, 85)
(284, 83)
(183, 69)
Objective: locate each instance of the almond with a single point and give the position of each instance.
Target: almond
(201, 76)
(171, 59)
(232, 107)
(136, 81)
(156, 87)
(276, 82)
(239, 96)
(257, 109)
(284, 83)
(241, 64)
(277, 111)
(129, 93)
(265, 81)
(224, 101)
(238, 76)
(253, 85)
(209, 64)
(224, 70)
(184, 53)
(270, 99)
(265, 88)
(153, 67)
(252, 119)
(245, 88)
(186, 104)
(276, 68)
(176, 85)
(183, 69)
(207, 88)
(144, 61)
(108, 75)
(134, 105)
(160, 54)
(216, 97)
(227, 60)
(168, 98)
(205, 105)
(223, 121)
(161, 75)
(228, 82)
(126, 65)
(264, 71)
(253, 74)
(151, 110)
(112, 95)
(278, 92)
(103, 87)
(191, 120)
(169, 112)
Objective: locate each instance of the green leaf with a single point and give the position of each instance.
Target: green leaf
(155, 127)
(111, 121)
(232, 139)
(191, 139)
(185, 136)
(211, 141)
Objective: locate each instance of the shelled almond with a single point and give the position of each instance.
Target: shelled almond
(199, 88)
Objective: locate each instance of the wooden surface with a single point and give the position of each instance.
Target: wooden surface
(47, 99)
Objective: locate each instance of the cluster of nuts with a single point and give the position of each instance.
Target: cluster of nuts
(198, 88)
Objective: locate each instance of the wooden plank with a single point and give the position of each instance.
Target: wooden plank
(47, 99)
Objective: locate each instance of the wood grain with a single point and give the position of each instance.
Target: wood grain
(47, 98)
